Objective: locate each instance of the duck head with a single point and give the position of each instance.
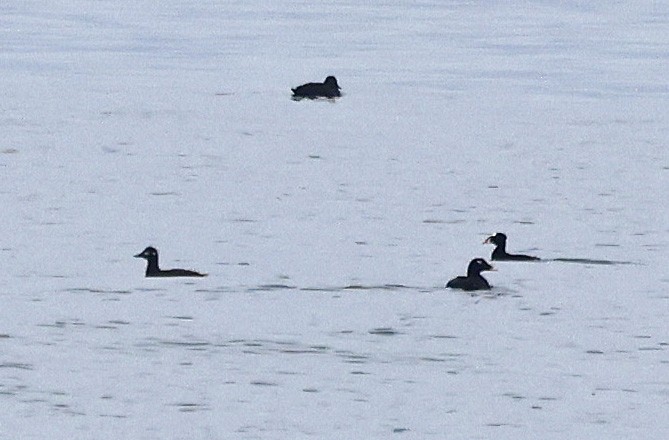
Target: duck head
(498, 239)
(478, 265)
(150, 253)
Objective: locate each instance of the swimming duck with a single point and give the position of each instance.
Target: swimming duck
(499, 253)
(327, 89)
(150, 254)
(473, 280)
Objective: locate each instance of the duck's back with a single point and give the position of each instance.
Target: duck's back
(176, 273)
(457, 283)
(316, 90)
(498, 255)
(468, 283)
(523, 258)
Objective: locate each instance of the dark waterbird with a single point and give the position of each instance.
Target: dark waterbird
(327, 89)
(500, 254)
(473, 280)
(150, 254)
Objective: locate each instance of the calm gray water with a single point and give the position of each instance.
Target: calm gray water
(329, 228)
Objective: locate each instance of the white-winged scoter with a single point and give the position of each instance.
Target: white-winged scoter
(473, 280)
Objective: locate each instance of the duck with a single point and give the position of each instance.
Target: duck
(500, 254)
(150, 254)
(473, 280)
(327, 89)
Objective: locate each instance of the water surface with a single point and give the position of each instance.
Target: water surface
(329, 228)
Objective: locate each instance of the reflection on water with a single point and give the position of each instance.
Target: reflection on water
(590, 261)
